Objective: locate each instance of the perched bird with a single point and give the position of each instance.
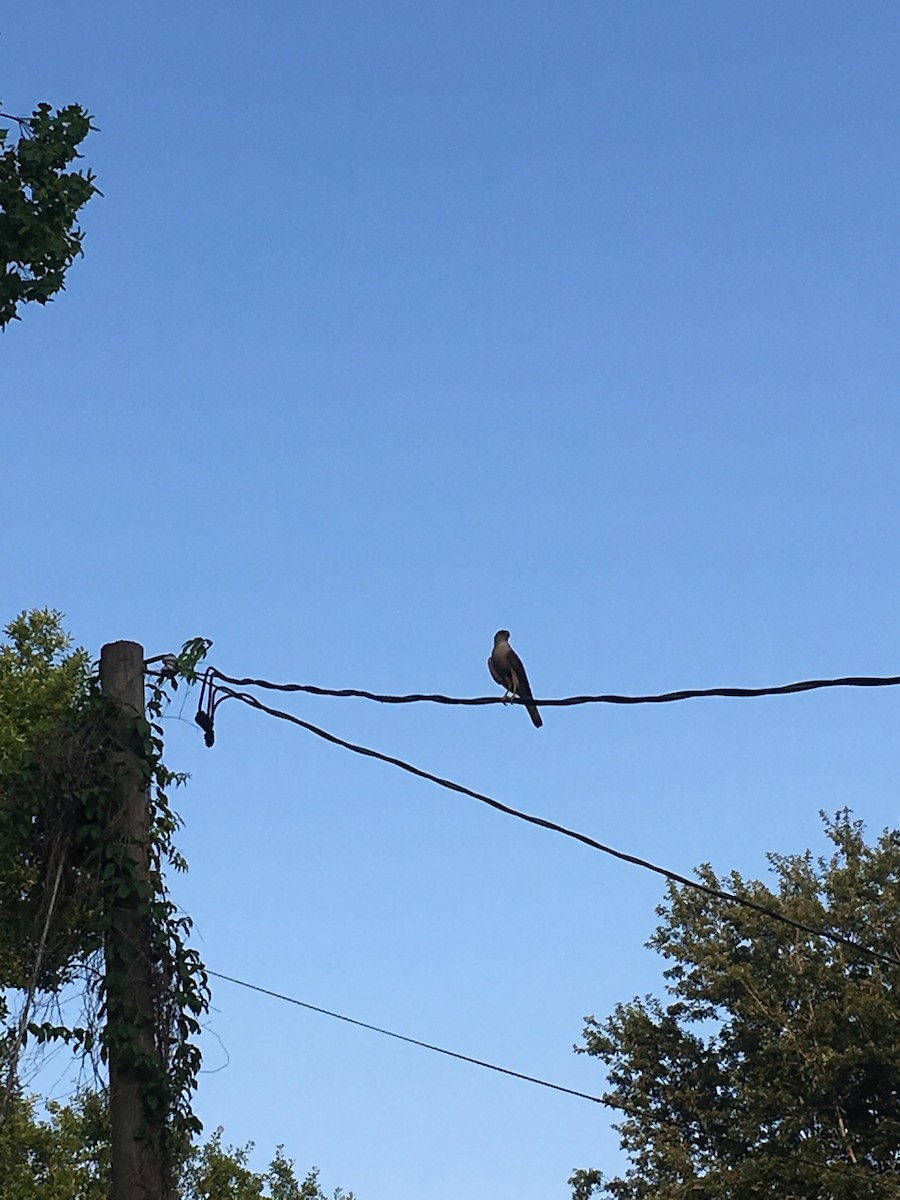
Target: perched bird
(506, 669)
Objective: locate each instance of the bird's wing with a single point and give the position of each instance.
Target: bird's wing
(520, 684)
(499, 674)
(523, 689)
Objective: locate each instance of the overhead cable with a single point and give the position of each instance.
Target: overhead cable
(611, 1100)
(805, 685)
(558, 1087)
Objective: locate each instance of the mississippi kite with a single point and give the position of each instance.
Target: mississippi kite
(506, 669)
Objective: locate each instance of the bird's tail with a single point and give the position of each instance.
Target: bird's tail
(533, 713)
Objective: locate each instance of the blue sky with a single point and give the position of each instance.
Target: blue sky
(399, 324)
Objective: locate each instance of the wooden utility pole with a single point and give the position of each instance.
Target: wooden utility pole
(138, 1159)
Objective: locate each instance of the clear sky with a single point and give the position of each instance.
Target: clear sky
(401, 323)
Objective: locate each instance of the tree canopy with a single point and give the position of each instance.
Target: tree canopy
(44, 689)
(774, 1067)
(39, 204)
(64, 1153)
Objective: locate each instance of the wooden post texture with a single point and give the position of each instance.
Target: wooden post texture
(138, 1159)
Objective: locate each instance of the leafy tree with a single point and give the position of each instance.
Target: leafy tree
(44, 689)
(64, 1155)
(218, 1173)
(774, 1067)
(39, 204)
(41, 677)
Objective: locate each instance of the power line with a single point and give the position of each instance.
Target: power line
(805, 685)
(610, 1101)
(672, 876)
(558, 1087)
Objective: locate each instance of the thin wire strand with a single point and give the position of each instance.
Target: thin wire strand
(610, 1101)
(542, 822)
(805, 685)
(557, 1087)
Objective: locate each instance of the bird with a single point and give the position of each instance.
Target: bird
(506, 669)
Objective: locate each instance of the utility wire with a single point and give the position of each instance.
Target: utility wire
(610, 1101)
(806, 685)
(672, 876)
(557, 1087)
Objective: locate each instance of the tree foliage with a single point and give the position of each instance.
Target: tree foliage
(44, 693)
(774, 1067)
(63, 1154)
(39, 204)
(215, 1172)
